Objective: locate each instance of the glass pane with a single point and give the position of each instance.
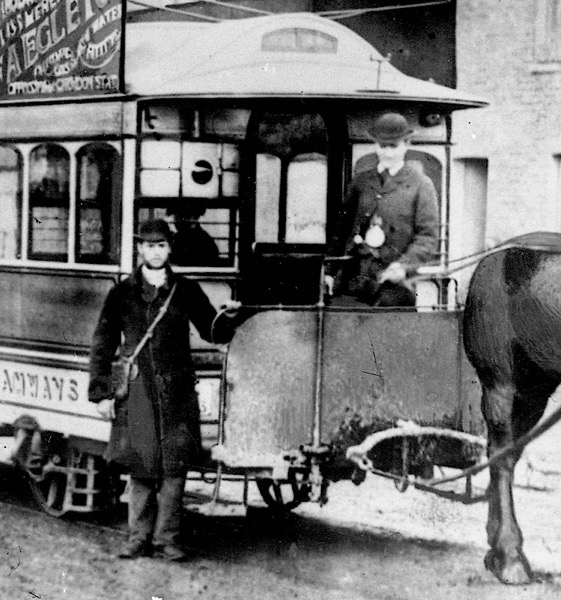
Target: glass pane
(199, 169)
(230, 161)
(49, 232)
(364, 158)
(160, 155)
(159, 183)
(201, 235)
(98, 203)
(306, 201)
(10, 202)
(226, 122)
(49, 168)
(267, 192)
(161, 118)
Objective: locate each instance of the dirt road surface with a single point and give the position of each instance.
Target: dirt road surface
(369, 542)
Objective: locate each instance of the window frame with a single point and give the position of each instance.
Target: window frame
(157, 206)
(19, 170)
(25, 258)
(64, 203)
(111, 252)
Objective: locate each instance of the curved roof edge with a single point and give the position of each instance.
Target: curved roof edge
(284, 55)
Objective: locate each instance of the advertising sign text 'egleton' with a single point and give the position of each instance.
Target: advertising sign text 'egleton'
(59, 48)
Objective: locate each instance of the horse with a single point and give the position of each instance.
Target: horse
(512, 337)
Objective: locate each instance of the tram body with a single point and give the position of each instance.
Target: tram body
(260, 123)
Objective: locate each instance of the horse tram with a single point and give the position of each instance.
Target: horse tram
(257, 126)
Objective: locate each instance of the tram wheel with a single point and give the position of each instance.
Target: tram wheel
(283, 495)
(49, 493)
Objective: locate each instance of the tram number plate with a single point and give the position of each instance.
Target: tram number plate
(208, 389)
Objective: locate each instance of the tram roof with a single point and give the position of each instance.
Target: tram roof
(285, 55)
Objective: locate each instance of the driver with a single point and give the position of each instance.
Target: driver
(388, 224)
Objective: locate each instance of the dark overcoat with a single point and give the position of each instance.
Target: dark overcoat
(407, 205)
(160, 417)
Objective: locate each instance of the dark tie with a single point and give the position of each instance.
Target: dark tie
(384, 175)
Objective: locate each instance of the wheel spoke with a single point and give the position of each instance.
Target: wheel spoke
(49, 493)
(284, 495)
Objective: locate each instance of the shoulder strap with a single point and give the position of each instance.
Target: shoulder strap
(150, 330)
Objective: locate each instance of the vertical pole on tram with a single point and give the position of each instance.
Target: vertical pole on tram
(315, 473)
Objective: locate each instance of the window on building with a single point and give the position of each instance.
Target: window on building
(49, 202)
(10, 202)
(548, 31)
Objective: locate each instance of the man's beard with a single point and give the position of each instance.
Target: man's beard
(391, 157)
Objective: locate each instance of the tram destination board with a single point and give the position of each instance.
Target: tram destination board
(60, 48)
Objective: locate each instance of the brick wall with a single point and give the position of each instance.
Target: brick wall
(520, 132)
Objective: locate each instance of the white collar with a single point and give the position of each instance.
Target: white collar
(393, 170)
(155, 277)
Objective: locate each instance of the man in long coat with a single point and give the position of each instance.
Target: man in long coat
(156, 429)
(388, 223)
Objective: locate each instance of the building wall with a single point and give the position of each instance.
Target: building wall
(507, 53)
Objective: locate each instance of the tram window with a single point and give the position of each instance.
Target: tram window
(364, 158)
(291, 179)
(216, 122)
(160, 175)
(306, 195)
(267, 197)
(98, 204)
(230, 123)
(194, 185)
(10, 201)
(49, 202)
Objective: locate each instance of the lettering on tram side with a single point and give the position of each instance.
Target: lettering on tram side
(44, 387)
(59, 47)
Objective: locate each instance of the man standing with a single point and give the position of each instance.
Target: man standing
(388, 224)
(156, 429)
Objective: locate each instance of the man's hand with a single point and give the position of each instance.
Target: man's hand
(329, 283)
(395, 272)
(106, 408)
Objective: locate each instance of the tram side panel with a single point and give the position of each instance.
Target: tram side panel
(51, 310)
(47, 322)
(383, 367)
(375, 368)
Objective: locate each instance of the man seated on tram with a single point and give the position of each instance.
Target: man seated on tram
(191, 244)
(388, 224)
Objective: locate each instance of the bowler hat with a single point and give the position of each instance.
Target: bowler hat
(390, 127)
(156, 230)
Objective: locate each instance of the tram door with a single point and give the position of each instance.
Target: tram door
(284, 222)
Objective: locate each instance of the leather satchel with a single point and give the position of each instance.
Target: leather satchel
(123, 371)
(124, 368)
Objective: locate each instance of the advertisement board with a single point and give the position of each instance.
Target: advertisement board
(60, 48)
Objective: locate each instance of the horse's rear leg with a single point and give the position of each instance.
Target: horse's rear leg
(505, 559)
